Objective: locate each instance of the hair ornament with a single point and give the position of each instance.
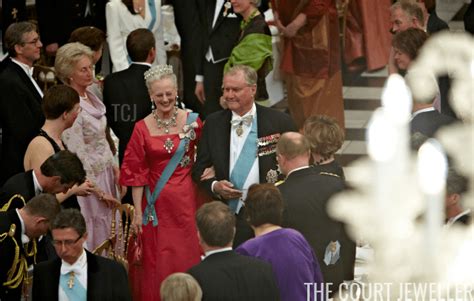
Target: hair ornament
(159, 71)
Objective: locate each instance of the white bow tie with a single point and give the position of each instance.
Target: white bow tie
(71, 268)
(247, 120)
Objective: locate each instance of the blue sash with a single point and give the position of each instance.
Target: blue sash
(77, 292)
(151, 5)
(165, 176)
(244, 164)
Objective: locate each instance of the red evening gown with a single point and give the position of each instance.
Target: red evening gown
(172, 246)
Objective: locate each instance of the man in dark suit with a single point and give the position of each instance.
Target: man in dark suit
(57, 174)
(433, 22)
(21, 116)
(220, 28)
(224, 144)
(77, 272)
(19, 229)
(126, 96)
(306, 193)
(58, 18)
(188, 25)
(223, 274)
(456, 186)
(428, 121)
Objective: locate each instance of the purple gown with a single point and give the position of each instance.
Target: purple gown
(292, 259)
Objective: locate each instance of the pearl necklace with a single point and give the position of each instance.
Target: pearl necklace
(165, 123)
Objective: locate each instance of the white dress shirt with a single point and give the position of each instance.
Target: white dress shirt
(209, 253)
(453, 220)
(296, 169)
(24, 239)
(422, 111)
(80, 272)
(36, 184)
(236, 145)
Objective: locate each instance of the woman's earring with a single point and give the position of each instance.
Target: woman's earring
(176, 103)
(153, 106)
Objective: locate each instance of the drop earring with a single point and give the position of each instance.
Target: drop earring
(179, 103)
(153, 106)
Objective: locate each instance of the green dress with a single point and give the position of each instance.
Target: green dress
(254, 49)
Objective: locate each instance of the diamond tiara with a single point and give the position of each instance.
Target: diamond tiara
(158, 71)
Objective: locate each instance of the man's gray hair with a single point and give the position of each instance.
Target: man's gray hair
(14, 35)
(410, 8)
(249, 73)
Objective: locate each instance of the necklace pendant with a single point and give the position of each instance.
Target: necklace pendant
(70, 282)
(239, 131)
(169, 145)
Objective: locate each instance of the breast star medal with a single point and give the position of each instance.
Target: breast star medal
(169, 145)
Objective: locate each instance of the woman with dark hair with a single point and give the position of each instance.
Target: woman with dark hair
(124, 16)
(92, 37)
(60, 107)
(406, 45)
(292, 258)
(326, 138)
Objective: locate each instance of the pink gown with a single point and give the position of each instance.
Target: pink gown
(87, 139)
(172, 246)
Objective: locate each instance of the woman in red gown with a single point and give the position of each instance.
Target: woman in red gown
(157, 165)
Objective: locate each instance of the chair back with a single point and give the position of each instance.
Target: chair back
(45, 76)
(116, 246)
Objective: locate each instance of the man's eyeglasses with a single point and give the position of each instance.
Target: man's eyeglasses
(66, 243)
(33, 42)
